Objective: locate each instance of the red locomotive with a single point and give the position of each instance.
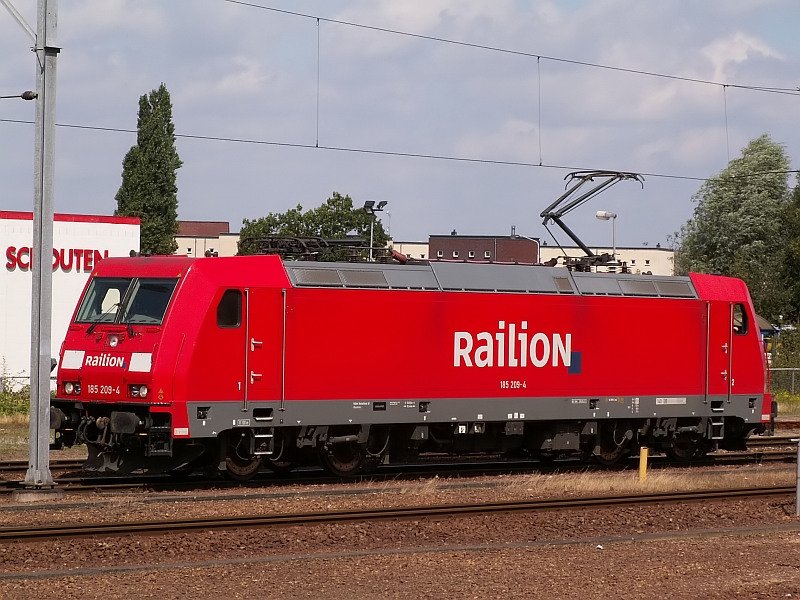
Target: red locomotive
(173, 362)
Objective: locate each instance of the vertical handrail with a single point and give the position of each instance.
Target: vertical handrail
(708, 347)
(283, 353)
(246, 347)
(730, 351)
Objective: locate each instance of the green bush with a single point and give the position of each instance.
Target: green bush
(788, 403)
(13, 402)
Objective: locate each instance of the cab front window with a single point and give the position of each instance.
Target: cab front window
(102, 300)
(129, 301)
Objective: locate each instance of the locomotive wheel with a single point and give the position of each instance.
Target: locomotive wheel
(280, 466)
(685, 450)
(242, 469)
(614, 445)
(238, 464)
(286, 460)
(344, 460)
(610, 458)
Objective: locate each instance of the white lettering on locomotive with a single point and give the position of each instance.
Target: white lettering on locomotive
(103, 360)
(512, 345)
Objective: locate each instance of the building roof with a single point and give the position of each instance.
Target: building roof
(203, 228)
(484, 237)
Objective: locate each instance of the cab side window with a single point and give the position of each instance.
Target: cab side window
(739, 319)
(229, 309)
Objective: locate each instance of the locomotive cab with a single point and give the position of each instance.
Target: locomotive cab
(109, 396)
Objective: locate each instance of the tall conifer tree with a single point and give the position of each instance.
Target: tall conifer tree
(149, 190)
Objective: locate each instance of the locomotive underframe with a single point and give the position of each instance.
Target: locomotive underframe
(132, 438)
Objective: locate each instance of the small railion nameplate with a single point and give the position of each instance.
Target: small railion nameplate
(668, 401)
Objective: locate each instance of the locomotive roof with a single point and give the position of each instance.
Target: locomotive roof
(443, 276)
(447, 276)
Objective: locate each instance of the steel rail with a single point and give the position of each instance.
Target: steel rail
(777, 440)
(95, 484)
(11, 534)
(76, 463)
(7, 466)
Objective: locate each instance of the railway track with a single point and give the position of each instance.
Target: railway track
(391, 472)
(20, 466)
(11, 466)
(15, 534)
(772, 441)
(15, 466)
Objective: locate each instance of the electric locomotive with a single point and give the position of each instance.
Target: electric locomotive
(174, 363)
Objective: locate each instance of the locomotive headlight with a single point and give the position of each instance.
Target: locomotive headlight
(68, 387)
(113, 340)
(138, 391)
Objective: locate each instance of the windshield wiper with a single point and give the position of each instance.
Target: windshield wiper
(99, 319)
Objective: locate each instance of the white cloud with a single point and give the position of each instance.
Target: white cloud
(104, 16)
(240, 75)
(514, 140)
(735, 49)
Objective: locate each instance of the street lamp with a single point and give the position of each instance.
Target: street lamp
(373, 208)
(604, 215)
(27, 95)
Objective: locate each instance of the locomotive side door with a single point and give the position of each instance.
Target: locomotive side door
(719, 353)
(264, 350)
(225, 356)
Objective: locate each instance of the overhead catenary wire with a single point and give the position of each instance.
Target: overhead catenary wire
(378, 152)
(795, 91)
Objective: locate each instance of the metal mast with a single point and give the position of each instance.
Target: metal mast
(38, 477)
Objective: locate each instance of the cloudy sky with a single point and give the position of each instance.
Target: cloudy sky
(370, 86)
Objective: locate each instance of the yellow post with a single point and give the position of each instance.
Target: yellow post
(643, 463)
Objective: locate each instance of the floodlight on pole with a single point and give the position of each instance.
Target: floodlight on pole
(605, 215)
(371, 208)
(26, 95)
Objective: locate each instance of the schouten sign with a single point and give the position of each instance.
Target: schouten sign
(511, 346)
(64, 259)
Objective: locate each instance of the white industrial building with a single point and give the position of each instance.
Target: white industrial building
(79, 242)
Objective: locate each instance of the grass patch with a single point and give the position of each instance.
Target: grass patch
(788, 403)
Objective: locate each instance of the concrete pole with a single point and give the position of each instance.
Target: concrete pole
(371, 223)
(614, 238)
(38, 476)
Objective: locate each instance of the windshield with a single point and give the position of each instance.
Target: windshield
(126, 300)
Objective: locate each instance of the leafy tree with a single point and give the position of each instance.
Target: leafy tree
(335, 219)
(737, 225)
(149, 190)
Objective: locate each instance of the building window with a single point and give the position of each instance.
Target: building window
(439, 254)
(422, 256)
(633, 262)
(487, 254)
(472, 253)
(455, 253)
(647, 262)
